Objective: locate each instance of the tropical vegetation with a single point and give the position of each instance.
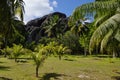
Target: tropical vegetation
(77, 41)
(106, 15)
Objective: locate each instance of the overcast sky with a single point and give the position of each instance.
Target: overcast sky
(39, 8)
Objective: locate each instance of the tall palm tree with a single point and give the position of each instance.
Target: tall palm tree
(9, 10)
(54, 26)
(80, 29)
(50, 26)
(107, 14)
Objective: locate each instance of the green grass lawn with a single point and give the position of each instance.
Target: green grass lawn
(69, 68)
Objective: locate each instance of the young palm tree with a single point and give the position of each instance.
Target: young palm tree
(16, 51)
(107, 21)
(39, 56)
(61, 50)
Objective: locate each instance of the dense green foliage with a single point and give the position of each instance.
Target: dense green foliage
(9, 23)
(71, 41)
(106, 21)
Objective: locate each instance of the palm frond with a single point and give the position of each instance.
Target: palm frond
(117, 36)
(105, 40)
(95, 7)
(110, 24)
(19, 8)
(103, 18)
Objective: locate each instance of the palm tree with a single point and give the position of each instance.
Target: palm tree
(50, 26)
(54, 26)
(16, 51)
(107, 14)
(9, 9)
(81, 29)
(39, 56)
(61, 50)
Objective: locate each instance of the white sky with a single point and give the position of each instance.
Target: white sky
(38, 8)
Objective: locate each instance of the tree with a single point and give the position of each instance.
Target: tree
(9, 9)
(39, 56)
(50, 26)
(41, 53)
(81, 30)
(61, 50)
(14, 51)
(54, 26)
(1, 41)
(18, 34)
(71, 41)
(107, 21)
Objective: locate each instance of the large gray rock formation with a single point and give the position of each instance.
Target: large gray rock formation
(36, 27)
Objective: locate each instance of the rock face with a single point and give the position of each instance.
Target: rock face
(39, 27)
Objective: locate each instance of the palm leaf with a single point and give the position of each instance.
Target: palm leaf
(117, 36)
(110, 24)
(105, 40)
(103, 18)
(98, 7)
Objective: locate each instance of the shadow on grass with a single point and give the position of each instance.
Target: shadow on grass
(116, 77)
(1, 62)
(118, 72)
(69, 60)
(48, 76)
(103, 56)
(4, 68)
(4, 78)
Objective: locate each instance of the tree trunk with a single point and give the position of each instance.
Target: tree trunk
(85, 52)
(114, 54)
(37, 68)
(59, 57)
(15, 59)
(5, 42)
(85, 47)
(96, 50)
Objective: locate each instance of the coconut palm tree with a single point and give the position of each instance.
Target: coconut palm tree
(9, 10)
(107, 14)
(54, 26)
(50, 26)
(81, 29)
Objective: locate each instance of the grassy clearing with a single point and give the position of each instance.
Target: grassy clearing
(69, 68)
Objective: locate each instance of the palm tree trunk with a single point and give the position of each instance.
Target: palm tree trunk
(5, 45)
(15, 59)
(114, 54)
(85, 42)
(59, 57)
(85, 52)
(37, 68)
